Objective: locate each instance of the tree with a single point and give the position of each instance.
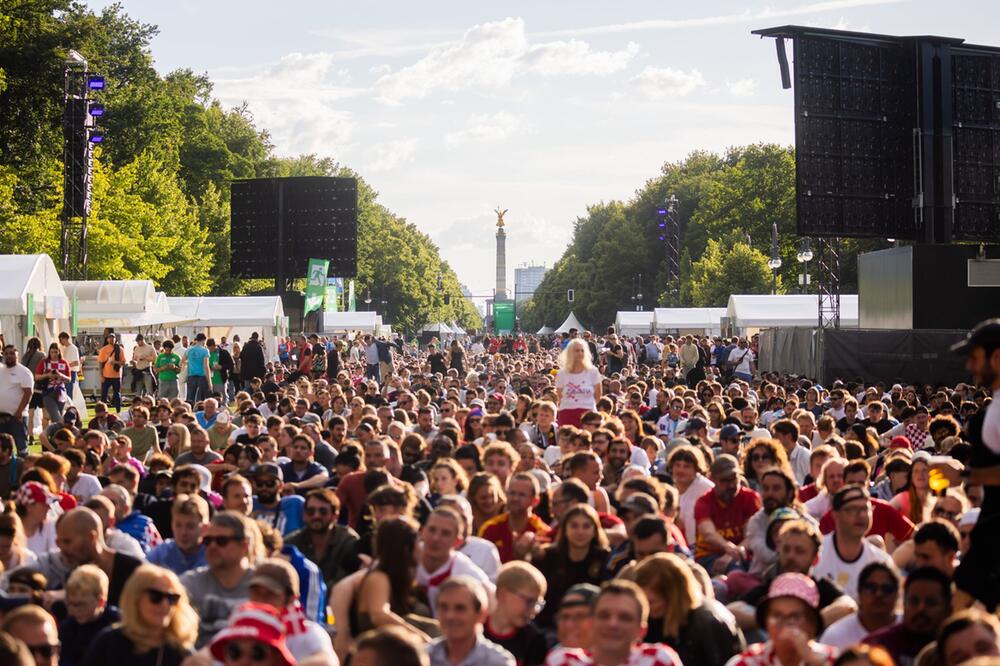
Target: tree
(729, 267)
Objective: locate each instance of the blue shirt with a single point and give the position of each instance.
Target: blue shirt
(312, 469)
(205, 422)
(288, 517)
(312, 587)
(139, 527)
(169, 556)
(196, 357)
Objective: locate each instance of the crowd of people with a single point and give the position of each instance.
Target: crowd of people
(565, 500)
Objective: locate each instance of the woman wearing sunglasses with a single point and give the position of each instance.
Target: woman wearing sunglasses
(158, 626)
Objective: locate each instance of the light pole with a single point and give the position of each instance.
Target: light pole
(804, 256)
(638, 294)
(774, 263)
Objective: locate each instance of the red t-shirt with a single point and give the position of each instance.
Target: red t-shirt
(885, 520)
(730, 520)
(497, 530)
(352, 496)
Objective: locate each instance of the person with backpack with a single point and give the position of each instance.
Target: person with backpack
(111, 358)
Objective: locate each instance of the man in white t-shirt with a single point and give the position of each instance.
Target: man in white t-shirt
(16, 383)
(439, 560)
(743, 360)
(845, 551)
(878, 592)
(70, 354)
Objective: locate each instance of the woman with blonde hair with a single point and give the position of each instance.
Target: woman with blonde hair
(578, 383)
(158, 625)
(681, 616)
(178, 440)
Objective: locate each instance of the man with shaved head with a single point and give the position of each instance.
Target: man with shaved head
(80, 538)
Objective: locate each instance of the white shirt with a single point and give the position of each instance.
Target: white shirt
(13, 381)
(845, 574)
(818, 505)
(798, 459)
(845, 632)
(577, 389)
(85, 487)
(668, 427)
(744, 356)
(483, 554)
(44, 539)
(458, 565)
(71, 354)
(698, 487)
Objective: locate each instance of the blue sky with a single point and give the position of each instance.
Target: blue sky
(451, 108)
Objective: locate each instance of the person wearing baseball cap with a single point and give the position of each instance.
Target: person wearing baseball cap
(721, 517)
(846, 551)
(276, 583)
(255, 633)
(33, 501)
(978, 576)
(790, 614)
(730, 437)
(286, 514)
(574, 621)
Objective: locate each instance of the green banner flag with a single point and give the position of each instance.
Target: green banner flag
(332, 299)
(315, 285)
(503, 316)
(351, 303)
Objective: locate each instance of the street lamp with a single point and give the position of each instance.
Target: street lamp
(774, 263)
(368, 298)
(804, 256)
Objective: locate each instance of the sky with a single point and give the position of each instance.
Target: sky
(450, 109)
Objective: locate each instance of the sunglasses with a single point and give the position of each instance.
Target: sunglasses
(45, 651)
(761, 457)
(257, 653)
(220, 541)
(158, 597)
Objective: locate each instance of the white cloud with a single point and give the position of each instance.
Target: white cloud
(490, 55)
(389, 155)
(743, 88)
(662, 82)
(485, 127)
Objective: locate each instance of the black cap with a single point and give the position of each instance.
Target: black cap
(986, 334)
(268, 469)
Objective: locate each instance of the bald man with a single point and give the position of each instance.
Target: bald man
(80, 538)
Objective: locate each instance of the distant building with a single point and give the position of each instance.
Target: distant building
(526, 281)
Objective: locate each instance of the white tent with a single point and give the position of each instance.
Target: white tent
(700, 321)
(31, 280)
(219, 316)
(349, 322)
(546, 330)
(440, 329)
(571, 322)
(456, 329)
(629, 322)
(755, 311)
(125, 305)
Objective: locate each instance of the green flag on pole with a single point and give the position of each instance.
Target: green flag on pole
(315, 285)
(351, 303)
(332, 298)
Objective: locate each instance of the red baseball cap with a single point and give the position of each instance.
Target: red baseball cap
(256, 622)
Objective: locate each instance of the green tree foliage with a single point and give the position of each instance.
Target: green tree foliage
(161, 188)
(726, 206)
(728, 267)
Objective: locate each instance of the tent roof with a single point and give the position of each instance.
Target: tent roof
(763, 311)
(571, 322)
(441, 328)
(351, 321)
(546, 330)
(631, 318)
(129, 320)
(119, 294)
(24, 273)
(228, 310)
(456, 329)
(688, 317)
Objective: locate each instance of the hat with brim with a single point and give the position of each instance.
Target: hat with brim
(986, 334)
(255, 622)
(795, 586)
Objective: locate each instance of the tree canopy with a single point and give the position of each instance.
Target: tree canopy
(161, 184)
(726, 205)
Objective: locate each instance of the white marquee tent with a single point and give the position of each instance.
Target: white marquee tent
(755, 311)
(439, 329)
(571, 322)
(349, 322)
(124, 305)
(628, 322)
(689, 321)
(218, 316)
(546, 330)
(30, 288)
